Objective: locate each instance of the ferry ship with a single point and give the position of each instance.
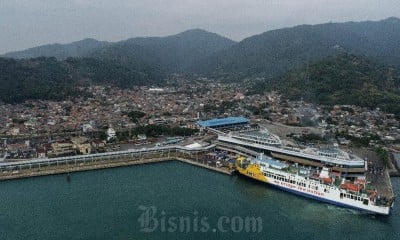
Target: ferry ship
(323, 184)
(263, 140)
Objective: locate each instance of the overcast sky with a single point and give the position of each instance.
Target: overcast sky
(29, 23)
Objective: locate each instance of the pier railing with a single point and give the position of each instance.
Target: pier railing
(46, 166)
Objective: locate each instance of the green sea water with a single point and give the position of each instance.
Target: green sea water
(112, 204)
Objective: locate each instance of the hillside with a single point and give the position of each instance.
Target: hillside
(343, 79)
(34, 79)
(47, 78)
(137, 61)
(59, 51)
(275, 52)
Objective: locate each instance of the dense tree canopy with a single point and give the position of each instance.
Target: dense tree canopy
(343, 79)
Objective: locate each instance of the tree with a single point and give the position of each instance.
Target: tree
(136, 115)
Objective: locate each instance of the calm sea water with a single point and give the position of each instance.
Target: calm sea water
(111, 204)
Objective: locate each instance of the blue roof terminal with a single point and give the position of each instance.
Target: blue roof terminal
(219, 122)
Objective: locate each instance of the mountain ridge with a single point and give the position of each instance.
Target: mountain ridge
(267, 54)
(58, 50)
(274, 52)
(45, 50)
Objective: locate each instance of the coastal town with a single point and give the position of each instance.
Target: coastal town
(39, 128)
(199, 120)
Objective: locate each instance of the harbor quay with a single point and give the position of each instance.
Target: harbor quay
(65, 165)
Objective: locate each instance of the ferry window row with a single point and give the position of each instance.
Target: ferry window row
(351, 196)
(311, 186)
(283, 179)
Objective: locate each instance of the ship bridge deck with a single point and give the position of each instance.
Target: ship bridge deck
(272, 162)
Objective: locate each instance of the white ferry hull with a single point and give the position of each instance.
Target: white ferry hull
(331, 200)
(313, 188)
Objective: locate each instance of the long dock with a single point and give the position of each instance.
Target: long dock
(50, 166)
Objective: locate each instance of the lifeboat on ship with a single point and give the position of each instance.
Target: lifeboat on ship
(351, 187)
(327, 180)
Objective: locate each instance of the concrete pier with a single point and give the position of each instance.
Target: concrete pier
(50, 166)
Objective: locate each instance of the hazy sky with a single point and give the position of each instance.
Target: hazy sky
(29, 23)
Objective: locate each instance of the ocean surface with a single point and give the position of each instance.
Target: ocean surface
(175, 201)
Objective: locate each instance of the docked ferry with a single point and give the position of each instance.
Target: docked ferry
(322, 184)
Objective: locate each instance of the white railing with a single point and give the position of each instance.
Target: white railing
(356, 162)
(129, 152)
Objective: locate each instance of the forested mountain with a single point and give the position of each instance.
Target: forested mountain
(268, 54)
(173, 53)
(275, 52)
(59, 51)
(311, 48)
(342, 79)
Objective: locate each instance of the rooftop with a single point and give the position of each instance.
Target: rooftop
(219, 122)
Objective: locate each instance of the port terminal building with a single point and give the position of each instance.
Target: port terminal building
(222, 123)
